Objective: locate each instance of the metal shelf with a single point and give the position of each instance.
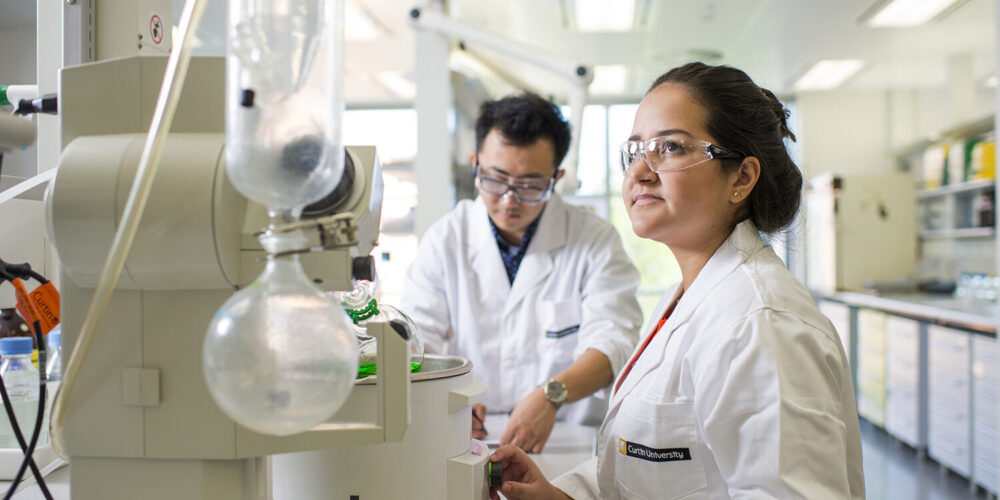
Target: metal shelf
(975, 185)
(978, 126)
(965, 232)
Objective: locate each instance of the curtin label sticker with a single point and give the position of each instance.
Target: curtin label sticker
(653, 454)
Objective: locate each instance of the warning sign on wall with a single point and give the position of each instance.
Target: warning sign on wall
(156, 29)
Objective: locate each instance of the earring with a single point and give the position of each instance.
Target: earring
(737, 194)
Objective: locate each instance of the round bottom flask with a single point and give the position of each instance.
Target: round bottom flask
(279, 356)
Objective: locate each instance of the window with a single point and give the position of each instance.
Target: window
(394, 134)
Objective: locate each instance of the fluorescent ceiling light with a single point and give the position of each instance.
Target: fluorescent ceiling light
(609, 79)
(398, 84)
(905, 13)
(359, 26)
(828, 74)
(605, 15)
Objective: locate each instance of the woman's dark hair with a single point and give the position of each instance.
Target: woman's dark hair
(522, 120)
(750, 120)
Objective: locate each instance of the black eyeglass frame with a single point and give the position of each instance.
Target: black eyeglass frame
(477, 173)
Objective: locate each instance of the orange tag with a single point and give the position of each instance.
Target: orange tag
(41, 305)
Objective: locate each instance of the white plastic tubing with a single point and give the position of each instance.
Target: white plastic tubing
(166, 104)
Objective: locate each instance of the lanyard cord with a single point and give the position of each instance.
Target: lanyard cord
(659, 326)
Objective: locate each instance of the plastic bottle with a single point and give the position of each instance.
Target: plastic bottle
(53, 368)
(362, 307)
(21, 380)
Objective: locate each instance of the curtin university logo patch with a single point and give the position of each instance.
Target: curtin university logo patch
(653, 454)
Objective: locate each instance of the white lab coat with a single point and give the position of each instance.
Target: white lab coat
(745, 393)
(575, 289)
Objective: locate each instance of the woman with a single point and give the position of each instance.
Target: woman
(741, 389)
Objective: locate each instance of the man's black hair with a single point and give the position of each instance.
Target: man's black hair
(522, 120)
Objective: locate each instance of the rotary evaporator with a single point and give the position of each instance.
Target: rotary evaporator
(215, 362)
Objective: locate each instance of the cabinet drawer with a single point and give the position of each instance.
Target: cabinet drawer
(986, 346)
(986, 406)
(944, 336)
(952, 456)
(947, 362)
(946, 382)
(948, 413)
(903, 428)
(986, 373)
(873, 411)
(867, 352)
(896, 376)
(987, 353)
(984, 449)
(985, 475)
(949, 424)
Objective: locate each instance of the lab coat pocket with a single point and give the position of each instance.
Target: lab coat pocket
(658, 452)
(560, 324)
(560, 318)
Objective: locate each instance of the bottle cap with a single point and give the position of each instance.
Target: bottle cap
(10, 346)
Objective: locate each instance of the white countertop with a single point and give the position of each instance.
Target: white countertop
(568, 446)
(944, 309)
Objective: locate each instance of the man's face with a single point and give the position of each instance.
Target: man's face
(532, 164)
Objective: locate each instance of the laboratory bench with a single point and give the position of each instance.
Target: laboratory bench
(926, 369)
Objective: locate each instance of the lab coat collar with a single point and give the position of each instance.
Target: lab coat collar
(743, 242)
(537, 263)
(485, 255)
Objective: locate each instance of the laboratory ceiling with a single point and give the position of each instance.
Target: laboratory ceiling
(774, 40)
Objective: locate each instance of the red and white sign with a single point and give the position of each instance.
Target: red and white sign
(156, 29)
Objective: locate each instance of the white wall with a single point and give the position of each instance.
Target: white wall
(17, 66)
(846, 132)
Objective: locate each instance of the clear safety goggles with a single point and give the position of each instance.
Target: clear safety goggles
(672, 153)
(526, 191)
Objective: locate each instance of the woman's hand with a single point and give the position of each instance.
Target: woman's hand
(522, 480)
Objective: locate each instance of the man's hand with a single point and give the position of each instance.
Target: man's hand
(530, 423)
(478, 421)
(522, 480)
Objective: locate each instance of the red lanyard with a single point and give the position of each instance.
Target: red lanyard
(649, 339)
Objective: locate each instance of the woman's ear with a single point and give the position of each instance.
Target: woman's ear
(744, 179)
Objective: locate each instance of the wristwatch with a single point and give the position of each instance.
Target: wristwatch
(555, 392)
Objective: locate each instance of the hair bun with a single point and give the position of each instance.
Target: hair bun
(780, 112)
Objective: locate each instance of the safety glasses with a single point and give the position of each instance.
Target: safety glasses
(526, 191)
(672, 153)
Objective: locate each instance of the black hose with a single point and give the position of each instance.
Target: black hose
(38, 424)
(20, 440)
(9, 272)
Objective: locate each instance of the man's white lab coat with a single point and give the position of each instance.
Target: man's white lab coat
(744, 393)
(575, 289)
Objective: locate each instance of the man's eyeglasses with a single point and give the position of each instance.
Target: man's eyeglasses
(526, 191)
(672, 153)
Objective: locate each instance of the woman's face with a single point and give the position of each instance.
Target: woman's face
(689, 208)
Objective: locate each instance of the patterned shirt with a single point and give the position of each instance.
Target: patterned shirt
(511, 254)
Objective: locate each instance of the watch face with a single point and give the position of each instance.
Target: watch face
(555, 391)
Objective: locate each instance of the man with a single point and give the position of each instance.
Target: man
(538, 294)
